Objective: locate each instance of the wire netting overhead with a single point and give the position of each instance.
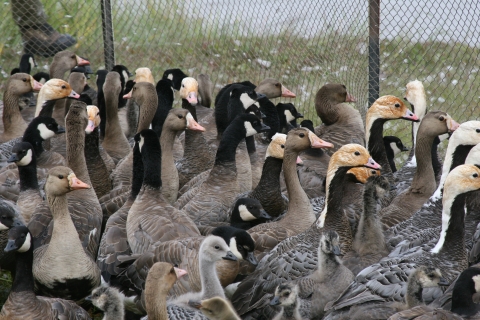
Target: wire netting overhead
(302, 43)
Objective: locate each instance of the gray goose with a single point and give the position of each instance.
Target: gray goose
(384, 282)
(296, 256)
(342, 124)
(22, 303)
(13, 123)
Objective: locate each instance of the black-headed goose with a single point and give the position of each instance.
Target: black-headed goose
(393, 146)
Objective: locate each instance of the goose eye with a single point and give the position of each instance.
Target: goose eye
(278, 84)
(282, 146)
(180, 117)
(74, 57)
(441, 118)
(172, 270)
(357, 153)
(397, 105)
(24, 79)
(60, 176)
(64, 87)
(217, 247)
(286, 294)
(302, 135)
(373, 171)
(183, 86)
(478, 130)
(475, 175)
(176, 265)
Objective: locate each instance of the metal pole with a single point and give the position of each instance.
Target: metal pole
(373, 51)
(107, 28)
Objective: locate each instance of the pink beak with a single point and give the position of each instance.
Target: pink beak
(90, 126)
(82, 62)
(350, 98)
(193, 125)
(37, 85)
(128, 95)
(454, 125)
(192, 98)
(409, 115)
(78, 184)
(73, 94)
(372, 164)
(287, 93)
(180, 272)
(299, 160)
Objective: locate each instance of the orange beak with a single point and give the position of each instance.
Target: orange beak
(82, 62)
(372, 164)
(316, 142)
(350, 98)
(77, 184)
(180, 272)
(287, 93)
(128, 95)
(193, 125)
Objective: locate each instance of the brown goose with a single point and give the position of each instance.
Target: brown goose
(342, 124)
(22, 303)
(13, 123)
(423, 185)
(133, 106)
(62, 267)
(151, 217)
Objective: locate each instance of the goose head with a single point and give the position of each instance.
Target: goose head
(54, 89)
(428, 277)
(300, 139)
(276, 147)
(104, 298)
(352, 155)
(182, 119)
(239, 241)
(214, 248)
(19, 239)
(43, 128)
(329, 243)
(389, 108)
(248, 209)
(21, 83)
(22, 154)
(93, 118)
(8, 217)
(144, 75)
(474, 156)
(361, 174)
(27, 63)
(61, 180)
(307, 124)
(69, 59)
(252, 124)
(254, 109)
(285, 295)
(288, 111)
(189, 90)
(334, 93)
(246, 95)
(272, 88)
(123, 72)
(163, 275)
(176, 76)
(415, 95)
(140, 91)
(380, 184)
(77, 81)
(394, 144)
(437, 123)
(215, 308)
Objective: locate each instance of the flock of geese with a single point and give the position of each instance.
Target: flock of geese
(114, 198)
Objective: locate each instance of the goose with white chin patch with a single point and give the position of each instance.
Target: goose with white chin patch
(449, 254)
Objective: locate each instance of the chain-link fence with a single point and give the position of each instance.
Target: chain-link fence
(303, 43)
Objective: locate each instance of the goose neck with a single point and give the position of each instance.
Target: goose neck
(190, 108)
(112, 125)
(45, 107)
(148, 108)
(23, 271)
(28, 176)
(414, 292)
(152, 168)
(375, 145)
(156, 302)
(424, 178)
(211, 286)
(335, 184)
(12, 118)
(327, 264)
(231, 138)
(137, 173)
(270, 179)
(328, 113)
(291, 310)
(57, 71)
(75, 136)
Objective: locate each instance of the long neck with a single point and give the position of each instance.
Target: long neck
(211, 286)
(94, 161)
(147, 111)
(75, 133)
(369, 225)
(28, 176)
(375, 145)
(23, 272)
(112, 125)
(137, 174)
(270, 179)
(333, 196)
(152, 167)
(272, 119)
(229, 143)
(156, 302)
(12, 118)
(424, 178)
(44, 107)
(167, 140)
(57, 71)
(414, 292)
(327, 264)
(63, 224)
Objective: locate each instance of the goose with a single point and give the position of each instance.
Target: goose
(422, 277)
(114, 141)
(97, 169)
(342, 124)
(22, 303)
(133, 106)
(9, 218)
(295, 256)
(286, 296)
(299, 214)
(423, 185)
(52, 90)
(109, 300)
(288, 115)
(151, 217)
(205, 89)
(460, 143)
(13, 123)
(76, 80)
(177, 120)
(62, 267)
(185, 254)
(165, 102)
(463, 305)
(87, 90)
(27, 63)
(215, 308)
(393, 146)
(207, 206)
(176, 76)
(448, 255)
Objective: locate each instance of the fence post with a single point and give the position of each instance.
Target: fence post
(373, 51)
(107, 27)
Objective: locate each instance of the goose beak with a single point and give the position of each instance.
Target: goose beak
(443, 282)
(193, 125)
(36, 85)
(452, 125)
(299, 115)
(251, 258)
(129, 74)
(264, 128)
(180, 272)
(3, 227)
(128, 95)
(82, 62)
(264, 215)
(90, 126)
(336, 251)
(405, 148)
(230, 256)
(316, 142)
(13, 158)
(409, 115)
(275, 301)
(350, 98)
(260, 96)
(192, 98)
(372, 164)
(11, 246)
(77, 184)
(287, 93)
(195, 304)
(74, 95)
(89, 298)
(60, 130)
(262, 115)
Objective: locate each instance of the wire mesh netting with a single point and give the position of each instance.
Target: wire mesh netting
(302, 43)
